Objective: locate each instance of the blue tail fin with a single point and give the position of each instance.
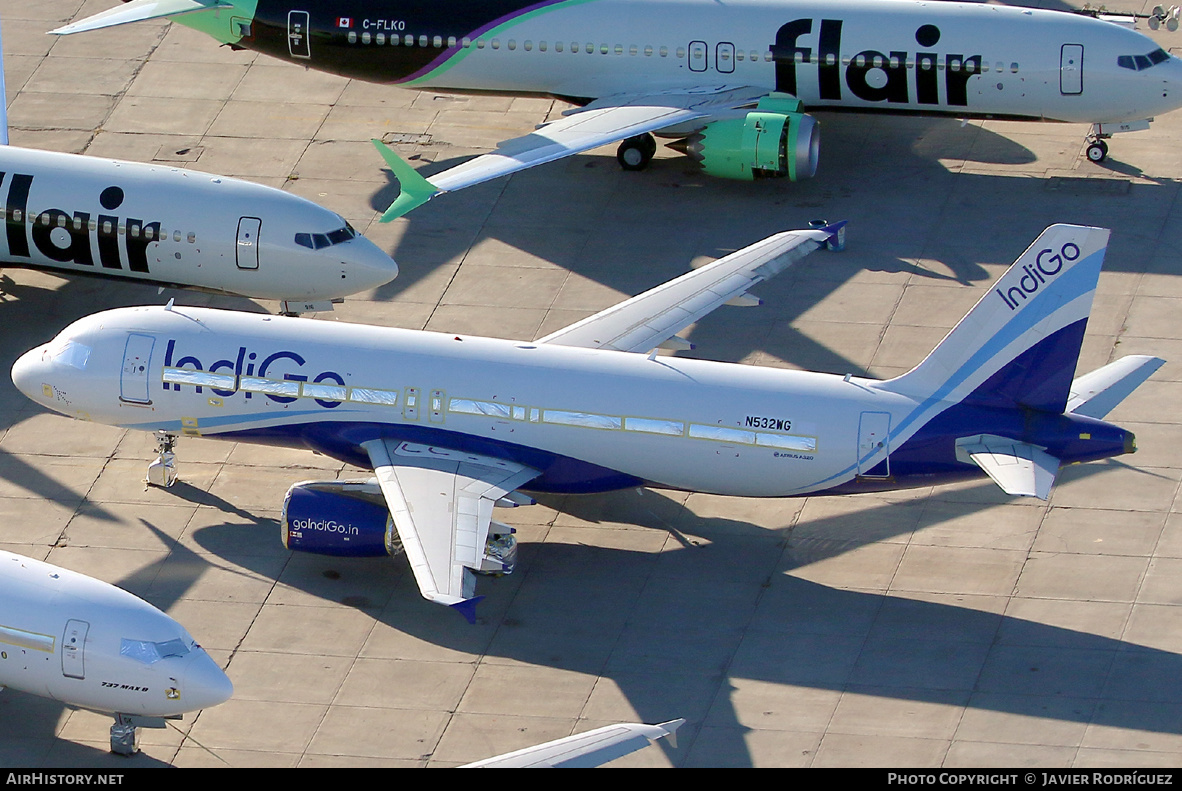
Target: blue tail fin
(1020, 343)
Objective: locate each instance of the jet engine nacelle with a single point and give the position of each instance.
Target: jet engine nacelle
(341, 518)
(775, 140)
(351, 519)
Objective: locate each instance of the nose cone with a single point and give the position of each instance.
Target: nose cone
(26, 373)
(369, 267)
(205, 684)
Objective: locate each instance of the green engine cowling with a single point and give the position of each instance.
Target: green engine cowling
(775, 140)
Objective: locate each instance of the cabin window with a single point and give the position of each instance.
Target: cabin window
(437, 42)
(352, 37)
(366, 38)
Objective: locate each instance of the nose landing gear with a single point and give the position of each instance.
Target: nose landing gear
(1097, 148)
(162, 471)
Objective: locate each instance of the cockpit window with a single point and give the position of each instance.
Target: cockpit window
(1142, 62)
(72, 354)
(316, 241)
(150, 653)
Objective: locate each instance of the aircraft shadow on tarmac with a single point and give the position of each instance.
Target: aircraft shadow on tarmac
(910, 187)
(663, 625)
(733, 602)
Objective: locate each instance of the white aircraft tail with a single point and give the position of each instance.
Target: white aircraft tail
(1019, 345)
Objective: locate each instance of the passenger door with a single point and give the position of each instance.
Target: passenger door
(247, 249)
(1071, 70)
(133, 378)
(298, 45)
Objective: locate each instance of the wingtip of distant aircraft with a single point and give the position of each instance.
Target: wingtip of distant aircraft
(416, 190)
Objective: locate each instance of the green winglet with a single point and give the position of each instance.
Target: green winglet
(416, 190)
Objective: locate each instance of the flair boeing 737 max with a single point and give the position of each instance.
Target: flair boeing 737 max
(83, 215)
(731, 82)
(86, 643)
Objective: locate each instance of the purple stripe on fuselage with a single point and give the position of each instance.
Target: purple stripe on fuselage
(450, 52)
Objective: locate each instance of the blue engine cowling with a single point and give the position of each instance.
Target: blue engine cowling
(342, 518)
(351, 519)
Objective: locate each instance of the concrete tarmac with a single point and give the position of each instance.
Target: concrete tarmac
(944, 627)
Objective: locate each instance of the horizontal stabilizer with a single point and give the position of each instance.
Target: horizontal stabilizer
(1097, 393)
(584, 750)
(1019, 468)
(139, 11)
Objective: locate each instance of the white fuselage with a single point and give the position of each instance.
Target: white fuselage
(70, 637)
(897, 55)
(690, 424)
(157, 224)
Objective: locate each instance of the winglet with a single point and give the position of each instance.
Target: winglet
(836, 235)
(416, 190)
(467, 608)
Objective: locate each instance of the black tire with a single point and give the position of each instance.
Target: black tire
(1097, 151)
(635, 153)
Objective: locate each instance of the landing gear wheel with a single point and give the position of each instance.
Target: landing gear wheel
(1097, 151)
(635, 153)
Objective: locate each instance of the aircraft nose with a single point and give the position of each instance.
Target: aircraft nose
(370, 265)
(205, 683)
(27, 373)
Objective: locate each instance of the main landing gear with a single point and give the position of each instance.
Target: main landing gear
(162, 471)
(635, 153)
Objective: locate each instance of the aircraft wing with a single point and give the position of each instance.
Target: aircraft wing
(655, 317)
(603, 121)
(584, 750)
(139, 11)
(441, 501)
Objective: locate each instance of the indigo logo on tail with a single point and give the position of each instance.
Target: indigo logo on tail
(1047, 264)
